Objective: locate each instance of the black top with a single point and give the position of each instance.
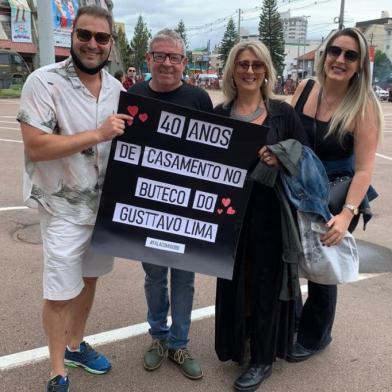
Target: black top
(186, 95)
(327, 148)
(282, 120)
(249, 305)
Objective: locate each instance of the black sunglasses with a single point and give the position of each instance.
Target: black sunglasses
(86, 35)
(349, 55)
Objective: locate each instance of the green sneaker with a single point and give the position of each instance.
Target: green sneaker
(190, 367)
(155, 355)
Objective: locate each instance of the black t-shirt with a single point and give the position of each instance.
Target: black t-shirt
(186, 95)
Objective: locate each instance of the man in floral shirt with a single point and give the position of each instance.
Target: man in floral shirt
(68, 120)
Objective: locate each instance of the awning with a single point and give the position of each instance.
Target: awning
(20, 47)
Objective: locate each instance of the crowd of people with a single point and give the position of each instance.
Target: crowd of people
(336, 115)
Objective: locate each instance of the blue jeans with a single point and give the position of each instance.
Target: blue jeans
(182, 287)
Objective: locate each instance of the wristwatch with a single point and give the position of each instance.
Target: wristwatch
(354, 210)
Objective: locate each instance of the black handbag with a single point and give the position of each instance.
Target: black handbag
(337, 194)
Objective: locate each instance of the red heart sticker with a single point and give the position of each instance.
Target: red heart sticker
(230, 211)
(130, 122)
(226, 202)
(133, 110)
(219, 211)
(143, 117)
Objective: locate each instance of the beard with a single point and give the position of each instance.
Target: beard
(88, 70)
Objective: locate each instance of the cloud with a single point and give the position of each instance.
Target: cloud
(212, 15)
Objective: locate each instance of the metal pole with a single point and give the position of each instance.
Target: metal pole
(341, 16)
(45, 32)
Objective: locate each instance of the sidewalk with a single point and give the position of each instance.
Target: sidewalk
(358, 360)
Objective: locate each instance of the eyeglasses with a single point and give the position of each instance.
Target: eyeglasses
(349, 55)
(160, 57)
(86, 35)
(257, 66)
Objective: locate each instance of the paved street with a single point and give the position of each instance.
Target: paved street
(358, 360)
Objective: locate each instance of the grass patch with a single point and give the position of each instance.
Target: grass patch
(12, 92)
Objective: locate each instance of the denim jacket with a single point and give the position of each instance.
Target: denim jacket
(304, 178)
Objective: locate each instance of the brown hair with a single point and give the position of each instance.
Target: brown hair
(96, 11)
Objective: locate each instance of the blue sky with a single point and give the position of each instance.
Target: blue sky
(206, 20)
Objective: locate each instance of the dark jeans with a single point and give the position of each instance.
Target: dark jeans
(181, 299)
(318, 315)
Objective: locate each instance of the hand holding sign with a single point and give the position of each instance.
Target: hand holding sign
(113, 126)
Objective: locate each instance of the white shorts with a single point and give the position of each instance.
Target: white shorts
(68, 257)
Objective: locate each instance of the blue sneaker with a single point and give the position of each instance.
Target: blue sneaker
(88, 359)
(58, 384)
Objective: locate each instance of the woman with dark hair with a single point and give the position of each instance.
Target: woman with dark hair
(343, 120)
(249, 308)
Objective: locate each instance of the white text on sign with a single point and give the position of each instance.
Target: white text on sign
(193, 167)
(161, 191)
(126, 152)
(207, 133)
(204, 201)
(168, 223)
(171, 124)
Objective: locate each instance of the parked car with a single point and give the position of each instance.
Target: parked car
(13, 69)
(390, 95)
(382, 94)
(208, 81)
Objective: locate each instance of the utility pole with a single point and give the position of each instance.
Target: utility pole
(341, 16)
(239, 24)
(45, 32)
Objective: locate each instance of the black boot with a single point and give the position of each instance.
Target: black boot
(251, 379)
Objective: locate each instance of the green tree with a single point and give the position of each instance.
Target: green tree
(124, 48)
(271, 33)
(180, 29)
(139, 43)
(230, 37)
(382, 70)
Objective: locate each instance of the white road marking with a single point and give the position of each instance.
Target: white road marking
(5, 209)
(14, 117)
(384, 156)
(40, 354)
(11, 141)
(9, 122)
(10, 128)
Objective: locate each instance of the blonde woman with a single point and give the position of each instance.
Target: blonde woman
(248, 307)
(342, 118)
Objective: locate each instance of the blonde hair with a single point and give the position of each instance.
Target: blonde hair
(359, 95)
(261, 52)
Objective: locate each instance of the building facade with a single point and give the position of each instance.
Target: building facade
(19, 28)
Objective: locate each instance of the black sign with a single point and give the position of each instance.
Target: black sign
(176, 187)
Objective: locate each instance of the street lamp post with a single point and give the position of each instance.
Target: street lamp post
(45, 32)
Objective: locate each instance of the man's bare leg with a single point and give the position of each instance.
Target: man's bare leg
(79, 313)
(54, 316)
